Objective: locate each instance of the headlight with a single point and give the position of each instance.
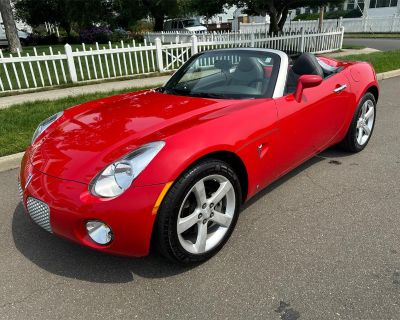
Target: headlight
(45, 124)
(118, 176)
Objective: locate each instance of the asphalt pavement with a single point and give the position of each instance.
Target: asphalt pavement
(321, 243)
(380, 44)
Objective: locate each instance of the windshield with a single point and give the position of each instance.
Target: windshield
(191, 23)
(227, 74)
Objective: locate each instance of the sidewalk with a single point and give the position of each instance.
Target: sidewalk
(79, 90)
(348, 52)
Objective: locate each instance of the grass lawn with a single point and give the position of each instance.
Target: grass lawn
(382, 61)
(353, 46)
(372, 35)
(60, 47)
(18, 123)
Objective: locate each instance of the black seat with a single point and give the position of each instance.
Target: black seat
(249, 73)
(306, 63)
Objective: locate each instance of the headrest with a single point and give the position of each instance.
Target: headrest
(307, 63)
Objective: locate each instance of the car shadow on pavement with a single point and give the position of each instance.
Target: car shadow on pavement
(68, 259)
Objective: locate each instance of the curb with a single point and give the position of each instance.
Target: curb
(388, 74)
(13, 161)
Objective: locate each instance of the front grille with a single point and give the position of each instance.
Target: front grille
(39, 212)
(21, 192)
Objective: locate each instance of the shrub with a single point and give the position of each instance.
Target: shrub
(120, 34)
(138, 37)
(35, 39)
(142, 27)
(95, 34)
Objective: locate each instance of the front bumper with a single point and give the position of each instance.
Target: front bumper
(71, 205)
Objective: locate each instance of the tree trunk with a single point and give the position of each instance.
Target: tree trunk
(283, 18)
(273, 27)
(158, 23)
(321, 17)
(67, 27)
(9, 26)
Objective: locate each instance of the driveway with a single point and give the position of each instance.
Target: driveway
(380, 44)
(321, 243)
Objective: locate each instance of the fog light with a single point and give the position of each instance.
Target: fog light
(99, 232)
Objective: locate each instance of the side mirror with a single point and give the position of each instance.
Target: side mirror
(306, 81)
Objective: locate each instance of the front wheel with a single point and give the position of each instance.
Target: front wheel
(362, 125)
(199, 212)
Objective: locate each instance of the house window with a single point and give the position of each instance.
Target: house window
(360, 4)
(350, 4)
(383, 3)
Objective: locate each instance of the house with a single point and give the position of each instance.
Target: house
(370, 8)
(235, 16)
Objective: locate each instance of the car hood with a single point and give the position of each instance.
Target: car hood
(90, 136)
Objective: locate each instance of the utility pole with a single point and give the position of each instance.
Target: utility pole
(9, 26)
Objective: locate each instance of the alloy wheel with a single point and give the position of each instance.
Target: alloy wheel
(206, 214)
(365, 122)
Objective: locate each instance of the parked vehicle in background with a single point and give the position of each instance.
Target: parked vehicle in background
(23, 36)
(189, 25)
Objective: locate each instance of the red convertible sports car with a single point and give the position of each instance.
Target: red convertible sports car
(171, 167)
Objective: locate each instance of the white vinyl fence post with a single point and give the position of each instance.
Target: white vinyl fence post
(252, 40)
(341, 37)
(159, 57)
(365, 22)
(71, 63)
(302, 39)
(393, 23)
(195, 48)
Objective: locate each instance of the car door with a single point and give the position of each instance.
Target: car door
(332, 108)
(306, 127)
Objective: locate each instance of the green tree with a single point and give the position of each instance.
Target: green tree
(206, 9)
(159, 10)
(128, 12)
(65, 13)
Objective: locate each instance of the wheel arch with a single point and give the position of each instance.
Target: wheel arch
(235, 162)
(375, 92)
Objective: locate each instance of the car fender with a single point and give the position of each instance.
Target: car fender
(239, 133)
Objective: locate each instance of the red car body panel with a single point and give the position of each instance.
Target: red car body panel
(268, 136)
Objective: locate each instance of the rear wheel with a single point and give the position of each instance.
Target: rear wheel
(199, 213)
(362, 125)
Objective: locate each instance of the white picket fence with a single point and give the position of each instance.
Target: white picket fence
(185, 36)
(35, 71)
(364, 24)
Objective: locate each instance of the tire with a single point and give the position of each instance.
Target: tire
(354, 141)
(184, 204)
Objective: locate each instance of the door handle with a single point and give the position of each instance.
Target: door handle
(339, 89)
